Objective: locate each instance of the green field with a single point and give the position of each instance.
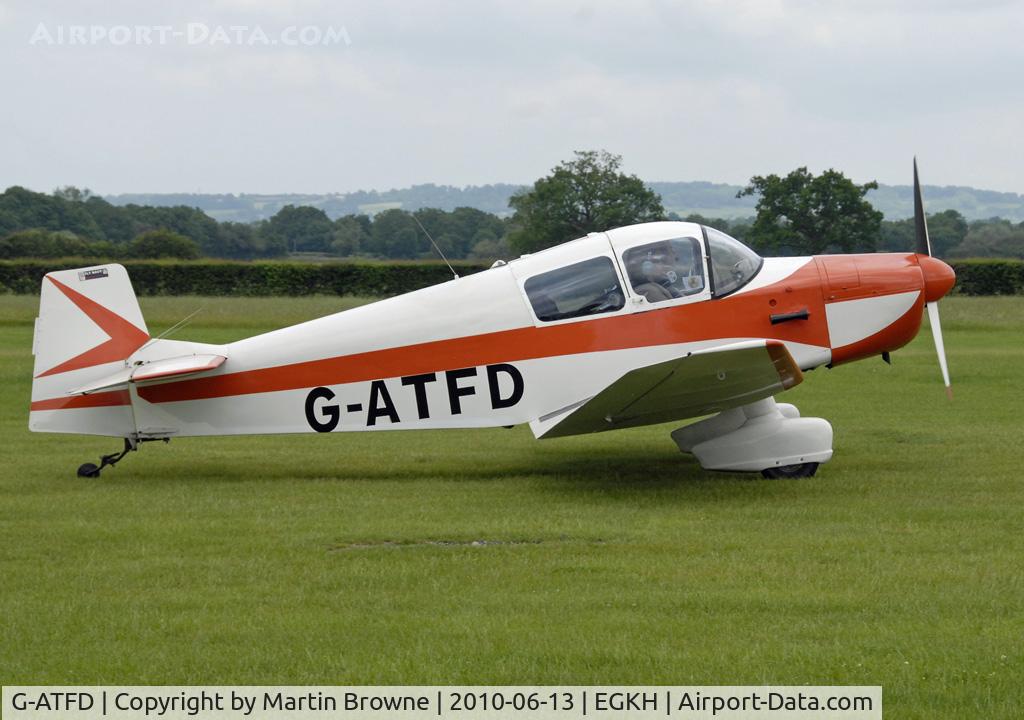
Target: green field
(489, 557)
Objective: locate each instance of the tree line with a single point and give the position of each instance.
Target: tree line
(74, 223)
(799, 213)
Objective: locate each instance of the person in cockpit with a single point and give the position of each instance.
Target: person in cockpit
(661, 272)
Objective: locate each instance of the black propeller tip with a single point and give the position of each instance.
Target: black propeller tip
(923, 244)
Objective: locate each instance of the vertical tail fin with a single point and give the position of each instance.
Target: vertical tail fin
(89, 323)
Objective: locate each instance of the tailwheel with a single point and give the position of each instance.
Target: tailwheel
(791, 471)
(88, 470)
(92, 470)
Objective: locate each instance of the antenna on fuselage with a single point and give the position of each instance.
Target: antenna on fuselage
(431, 239)
(176, 326)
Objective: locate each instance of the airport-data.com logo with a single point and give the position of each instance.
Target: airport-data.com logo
(193, 33)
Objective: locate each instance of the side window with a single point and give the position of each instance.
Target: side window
(585, 288)
(665, 269)
(733, 264)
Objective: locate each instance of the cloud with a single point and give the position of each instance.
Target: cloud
(455, 92)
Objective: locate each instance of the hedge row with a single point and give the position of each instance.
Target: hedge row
(974, 277)
(238, 278)
(988, 277)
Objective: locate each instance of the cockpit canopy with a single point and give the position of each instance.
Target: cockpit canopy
(657, 264)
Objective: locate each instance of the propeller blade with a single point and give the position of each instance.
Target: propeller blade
(924, 244)
(940, 347)
(924, 247)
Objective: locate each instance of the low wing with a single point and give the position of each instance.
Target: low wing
(176, 367)
(699, 383)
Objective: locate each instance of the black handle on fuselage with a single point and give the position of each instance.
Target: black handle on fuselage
(786, 317)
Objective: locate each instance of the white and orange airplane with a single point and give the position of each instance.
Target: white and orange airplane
(638, 325)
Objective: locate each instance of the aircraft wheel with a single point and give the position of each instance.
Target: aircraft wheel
(88, 470)
(791, 471)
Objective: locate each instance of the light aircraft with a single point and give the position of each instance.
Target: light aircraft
(639, 325)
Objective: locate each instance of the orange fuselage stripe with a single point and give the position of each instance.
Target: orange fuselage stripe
(112, 398)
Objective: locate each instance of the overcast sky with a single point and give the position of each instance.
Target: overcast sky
(476, 92)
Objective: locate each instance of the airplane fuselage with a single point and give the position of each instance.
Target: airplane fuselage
(502, 347)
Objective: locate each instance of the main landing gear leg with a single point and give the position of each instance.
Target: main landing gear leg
(90, 470)
(763, 436)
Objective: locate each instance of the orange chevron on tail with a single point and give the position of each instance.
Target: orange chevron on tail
(125, 338)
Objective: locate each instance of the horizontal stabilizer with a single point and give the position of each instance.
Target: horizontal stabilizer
(167, 369)
(699, 383)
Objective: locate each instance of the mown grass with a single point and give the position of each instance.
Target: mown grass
(349, 558)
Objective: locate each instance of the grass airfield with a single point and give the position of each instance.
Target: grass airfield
(486, 557)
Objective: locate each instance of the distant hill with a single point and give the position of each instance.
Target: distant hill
(896, 202)
(704, 198)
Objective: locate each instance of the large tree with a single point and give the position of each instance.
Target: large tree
(586, 194)
(395, 235)
(163, 243)
(804, 213)
(301, 228)
(21, 209)
(351, 234)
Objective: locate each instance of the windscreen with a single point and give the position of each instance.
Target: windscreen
(733, 264)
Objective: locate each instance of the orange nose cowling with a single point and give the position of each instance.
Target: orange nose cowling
(938, 277)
